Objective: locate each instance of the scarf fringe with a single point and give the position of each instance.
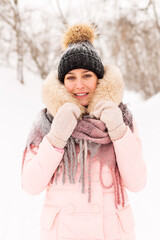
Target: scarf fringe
(69, 165)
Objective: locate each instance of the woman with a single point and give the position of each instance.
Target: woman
(84, 148)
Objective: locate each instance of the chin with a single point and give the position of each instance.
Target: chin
(84, 104)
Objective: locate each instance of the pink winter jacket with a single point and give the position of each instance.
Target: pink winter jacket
(67, 214)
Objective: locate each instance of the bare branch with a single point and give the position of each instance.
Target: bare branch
(147, 7)
(61, 14)
(155, 14)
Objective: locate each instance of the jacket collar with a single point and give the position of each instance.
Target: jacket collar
(110, 88)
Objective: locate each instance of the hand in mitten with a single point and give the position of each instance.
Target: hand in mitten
(63, 124)
(111, 115)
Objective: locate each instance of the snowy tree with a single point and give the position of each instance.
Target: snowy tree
(126, 36)
(133, 42)
(9, 13)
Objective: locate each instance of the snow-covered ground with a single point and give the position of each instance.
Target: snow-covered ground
(20, 212)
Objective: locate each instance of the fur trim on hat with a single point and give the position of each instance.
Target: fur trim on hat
(110, 88)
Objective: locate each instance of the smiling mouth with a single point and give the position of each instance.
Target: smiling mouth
(81, 94)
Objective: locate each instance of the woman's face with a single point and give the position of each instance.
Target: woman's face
(81, 83)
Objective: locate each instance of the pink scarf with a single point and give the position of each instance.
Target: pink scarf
(92, 137)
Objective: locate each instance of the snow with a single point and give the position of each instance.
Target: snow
(20, 212)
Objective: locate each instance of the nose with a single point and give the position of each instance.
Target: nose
(79, 83)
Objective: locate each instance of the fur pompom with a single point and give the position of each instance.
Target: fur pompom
(78, 33)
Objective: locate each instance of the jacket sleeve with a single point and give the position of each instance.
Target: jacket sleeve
(39, 167)
(129, 156)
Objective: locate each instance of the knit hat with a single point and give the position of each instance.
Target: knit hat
(79, 52)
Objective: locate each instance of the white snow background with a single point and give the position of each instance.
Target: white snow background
(20, 212)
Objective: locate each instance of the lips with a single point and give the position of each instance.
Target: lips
(80, 94)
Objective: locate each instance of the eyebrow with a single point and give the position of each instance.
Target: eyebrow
(70, 73)
(82, 72)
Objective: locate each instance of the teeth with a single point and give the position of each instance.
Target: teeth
(81, 94)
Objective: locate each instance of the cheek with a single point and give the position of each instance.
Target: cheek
(69, 87)
(93, 85)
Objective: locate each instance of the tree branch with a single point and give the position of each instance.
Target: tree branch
(61, 14)
(156, 16)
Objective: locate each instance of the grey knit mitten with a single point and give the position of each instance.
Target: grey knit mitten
(63, 124)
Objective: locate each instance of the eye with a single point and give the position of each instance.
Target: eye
(70, 77)
(87, 75)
